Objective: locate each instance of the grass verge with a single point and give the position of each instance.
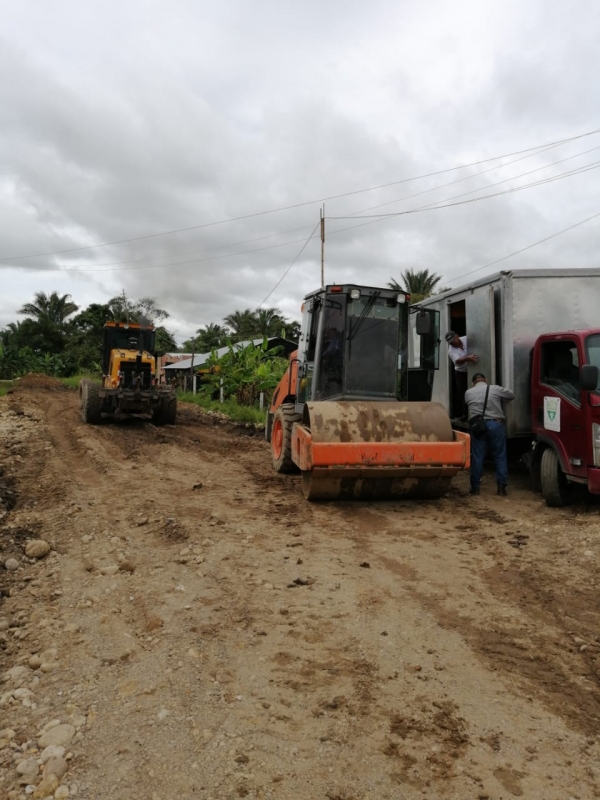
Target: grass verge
(5, 386)
(229, 408)
(73, 381)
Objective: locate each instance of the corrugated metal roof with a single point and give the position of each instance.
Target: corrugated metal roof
(201, 358)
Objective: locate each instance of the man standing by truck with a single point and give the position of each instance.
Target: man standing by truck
(495, 432)
(459, 355)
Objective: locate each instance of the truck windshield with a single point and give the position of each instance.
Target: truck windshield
(373, 326)
(592, 346)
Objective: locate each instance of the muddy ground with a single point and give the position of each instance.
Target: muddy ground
(200, 631)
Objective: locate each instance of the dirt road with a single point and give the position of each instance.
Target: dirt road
(200, 631)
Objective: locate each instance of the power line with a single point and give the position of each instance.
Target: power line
(292, 264)
(584, 169)
(477, 174)
(295, 205)
(372, 219)
(431, 207)
(452, 183)
(82, 267)
(523, 249)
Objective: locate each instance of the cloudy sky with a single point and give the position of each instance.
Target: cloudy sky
(133, 120)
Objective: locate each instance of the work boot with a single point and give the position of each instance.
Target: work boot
(474, 490)
(501, 490)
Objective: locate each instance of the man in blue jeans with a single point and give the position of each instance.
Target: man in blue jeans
(495, 433)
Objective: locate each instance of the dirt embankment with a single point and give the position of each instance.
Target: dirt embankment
(198, 630)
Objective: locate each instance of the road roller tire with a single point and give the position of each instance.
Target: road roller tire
(91, 408)
(281, 438)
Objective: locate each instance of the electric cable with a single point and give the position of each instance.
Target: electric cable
(431, 207)
(292, 264)
(372, 219)
(523, 249)
(475, 175)
(82, 267)
(293, 206)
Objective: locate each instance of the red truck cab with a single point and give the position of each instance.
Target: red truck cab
(565, 413)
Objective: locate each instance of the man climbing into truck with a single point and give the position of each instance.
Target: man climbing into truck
(458, 353)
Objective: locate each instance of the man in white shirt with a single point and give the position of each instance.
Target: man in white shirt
(494, 437)
(459, 355)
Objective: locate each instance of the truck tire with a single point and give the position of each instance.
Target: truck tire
(281, 438)
(91, 403)
(553, 482)
(166, 413)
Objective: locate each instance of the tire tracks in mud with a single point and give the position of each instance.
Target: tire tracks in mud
(400, 662)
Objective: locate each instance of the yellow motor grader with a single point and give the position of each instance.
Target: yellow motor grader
(129, 381)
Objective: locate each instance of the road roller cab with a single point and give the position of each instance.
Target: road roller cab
(340, 413)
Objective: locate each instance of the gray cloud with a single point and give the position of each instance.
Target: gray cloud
(125, 120)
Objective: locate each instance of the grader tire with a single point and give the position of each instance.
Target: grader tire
(166, 414)
(91, 403)
(281, 438)
(82, 387)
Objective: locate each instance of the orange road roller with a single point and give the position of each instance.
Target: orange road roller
(341, 414)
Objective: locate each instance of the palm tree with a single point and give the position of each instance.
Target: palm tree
(269, 322)
(419, 284)
(242, 323)
(50, 309)
(210, 337)
(165, 341)
(47, 325)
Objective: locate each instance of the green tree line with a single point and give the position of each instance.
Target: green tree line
(59, 338)
(241, 325)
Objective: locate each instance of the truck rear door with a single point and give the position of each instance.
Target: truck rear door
(481, 332)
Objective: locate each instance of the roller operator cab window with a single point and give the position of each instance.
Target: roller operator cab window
(362, 350)
(560, 369)
(332, 351)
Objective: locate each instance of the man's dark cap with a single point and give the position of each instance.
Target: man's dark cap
(450, 336)
(478, 376)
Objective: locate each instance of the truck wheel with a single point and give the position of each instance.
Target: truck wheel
(554, 484)
(281, 438)
(91, 403)
(166, 413)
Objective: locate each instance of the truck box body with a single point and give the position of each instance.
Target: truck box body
(502, 316)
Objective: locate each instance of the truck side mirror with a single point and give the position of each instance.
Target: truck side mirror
(423, 324)
(589, 377)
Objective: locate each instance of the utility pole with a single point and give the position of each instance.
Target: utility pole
(192, 382)
(323, 247)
